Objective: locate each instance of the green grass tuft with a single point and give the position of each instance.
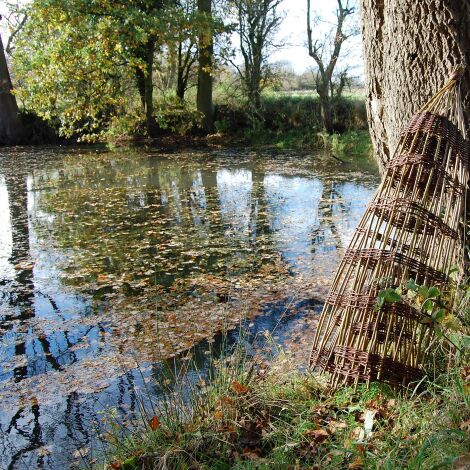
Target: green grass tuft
(257, 415)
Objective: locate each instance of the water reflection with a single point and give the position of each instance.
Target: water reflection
(293, 214)
(235, 188)
(99, 251)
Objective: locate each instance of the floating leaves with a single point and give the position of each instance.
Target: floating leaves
(140, 255)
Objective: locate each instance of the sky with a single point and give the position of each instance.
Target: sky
(292, 35)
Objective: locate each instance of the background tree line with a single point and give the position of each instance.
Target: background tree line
(88, 66)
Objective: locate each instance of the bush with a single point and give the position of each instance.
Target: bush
(131, 124)
(284, 115)
(176, 116)
(38, 130)
(171, 116)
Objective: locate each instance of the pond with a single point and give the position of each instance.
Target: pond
(109, 260)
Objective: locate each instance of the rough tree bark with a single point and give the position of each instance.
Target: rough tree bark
(410, 49)
(11, 129)
(204, 82)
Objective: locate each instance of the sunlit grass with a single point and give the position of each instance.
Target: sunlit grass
(254, 413)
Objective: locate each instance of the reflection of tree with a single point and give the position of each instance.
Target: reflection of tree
(293, 216)
(260, 226)
(20, 254)
(73, 420)
(34, 437)
(329, 199)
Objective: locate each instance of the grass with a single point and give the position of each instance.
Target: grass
(349, 146)
(293, 121)
(254, 414)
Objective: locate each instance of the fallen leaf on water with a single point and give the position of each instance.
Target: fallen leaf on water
(44, 451)
(81, 452)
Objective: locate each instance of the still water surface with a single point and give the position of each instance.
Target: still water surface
(113, 258)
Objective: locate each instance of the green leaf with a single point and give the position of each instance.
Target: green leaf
(380, 301)
(130, 464)
(465, 341)
(411, 285)
(453, 271)
(434, 292)
(427, 306)
(411, 294)
(391, 296)
(423, 291)
(438, 315)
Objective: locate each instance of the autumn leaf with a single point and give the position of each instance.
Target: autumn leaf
(317, 435)
(154, 423)
(465, 426)
(250, 454)
(333, 426)
(239, 388)
(226, 401)
(218, 415)
(357, 463)
(116, 465)
(462, 462)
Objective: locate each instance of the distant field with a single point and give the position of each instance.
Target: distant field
(357, 93)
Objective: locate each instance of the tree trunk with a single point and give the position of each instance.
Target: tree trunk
(140, 80)
(204, 83)
(11, 128)
(181, 74)
(144, 82)
(149, 119)
(410, 49)
(326, 108)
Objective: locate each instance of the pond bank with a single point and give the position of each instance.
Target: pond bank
(258, 414)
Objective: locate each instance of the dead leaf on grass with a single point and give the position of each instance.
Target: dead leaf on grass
(317, 435)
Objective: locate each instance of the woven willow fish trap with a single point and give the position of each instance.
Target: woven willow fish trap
(413, 229)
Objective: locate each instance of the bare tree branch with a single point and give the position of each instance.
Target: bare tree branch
(326, 64)
(258, 21)
(9, 46)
